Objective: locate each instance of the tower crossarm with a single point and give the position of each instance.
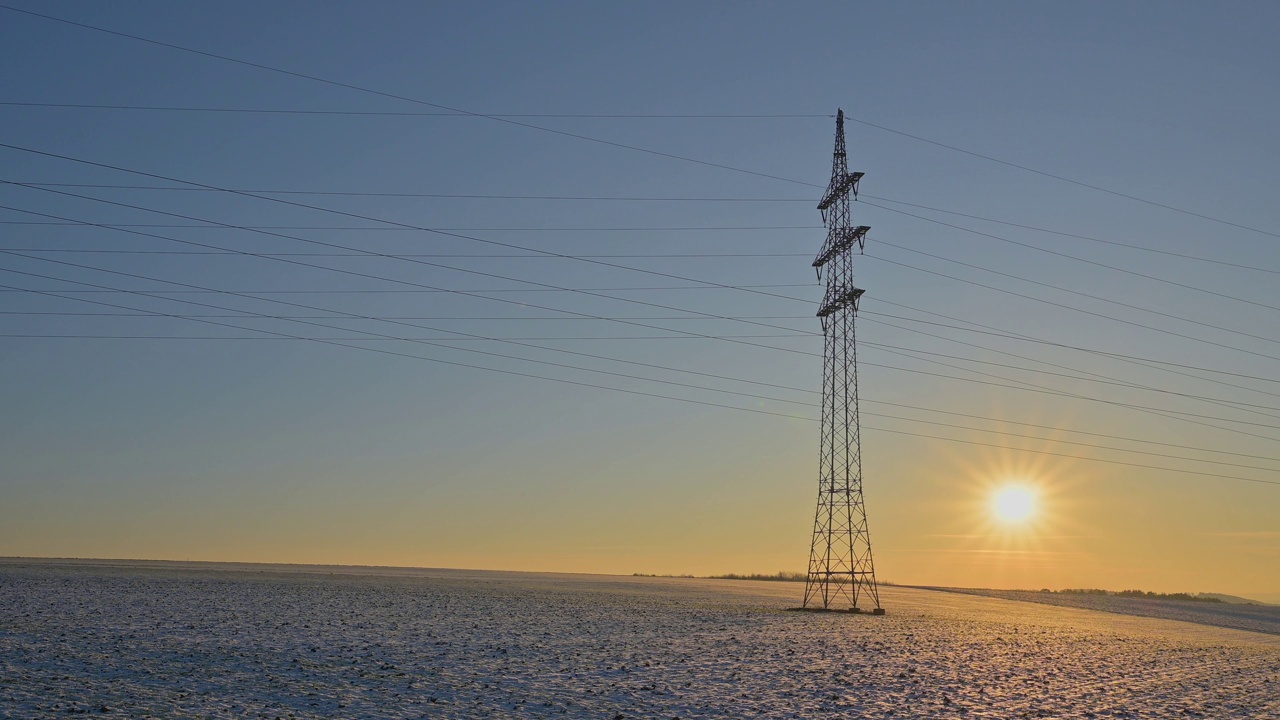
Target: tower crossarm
(840, 239)
(839, 187)
(848, 298)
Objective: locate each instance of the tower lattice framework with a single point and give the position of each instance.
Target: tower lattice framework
(841, 571)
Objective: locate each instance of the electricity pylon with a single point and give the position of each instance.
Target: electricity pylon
(841, 571)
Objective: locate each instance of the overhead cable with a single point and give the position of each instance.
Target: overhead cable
(593, 385)
(508, 120)
(394, 96)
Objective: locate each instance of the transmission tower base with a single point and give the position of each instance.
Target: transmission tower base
(847, 611)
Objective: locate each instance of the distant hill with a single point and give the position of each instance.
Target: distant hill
(1231, 599)
(1203, 597)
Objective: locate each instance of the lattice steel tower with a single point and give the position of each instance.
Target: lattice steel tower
(841, 571)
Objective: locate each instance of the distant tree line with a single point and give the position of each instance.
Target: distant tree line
(780, 576)
(1135, 594)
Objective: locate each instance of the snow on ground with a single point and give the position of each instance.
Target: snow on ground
(277, 641)
(1258, 618)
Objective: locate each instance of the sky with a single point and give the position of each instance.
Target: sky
(551, 338)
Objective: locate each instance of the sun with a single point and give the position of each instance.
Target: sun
(1014, 504)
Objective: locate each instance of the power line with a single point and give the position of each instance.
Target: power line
(297, 111)
(456, 364)
(1029, 387)
(378, 336)
(435, 339)
(484, 290)
(1101, 380)
(454, 196)
(996, 332)
(286, 336)
(511, 246)
(1181, 446)
(1074, 292)
(1072, 442)
(331, 316)
(761, 200)
(1066, 367)
(923, 409)
(1063, 178)
(397, 322)
(393, 317)
(862, 196)
(413, 260)
(462, 293)
(1097, 378)
(768, 200)
(1149, 364)
(653, 395)
(276, 317)
(631, 288)
(476, 115)
(144, 314)
(89, 251)
(549, 197)
(1076, 457)
(1075, 235)
(648, 393)
(1104, 354)
(518, 280)
(365, 228)
(1079, 259)
(870, 414)
(1032, 387)
(394, 96)
(322, 267)
(1016, 336)
(1081, 310)
(503, 278)
(508, 120)
(663, 329)
(458, 333)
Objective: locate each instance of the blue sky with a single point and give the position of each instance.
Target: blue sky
(297, 451)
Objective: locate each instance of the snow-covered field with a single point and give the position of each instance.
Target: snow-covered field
(182, 640)
(1258, 618)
